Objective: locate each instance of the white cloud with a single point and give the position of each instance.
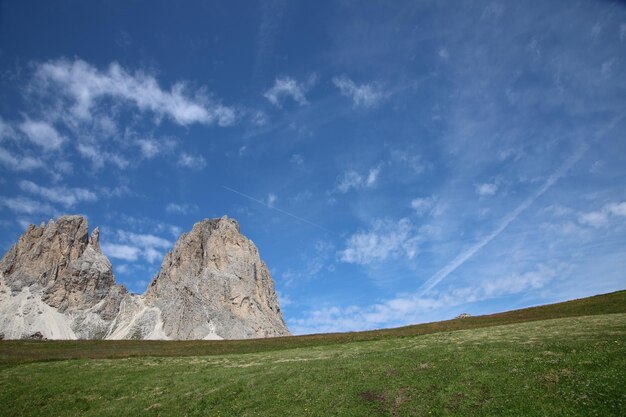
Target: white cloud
(116, 191)
(149, 147)
(301, 196)
(188, 160)
(17, 163)
(486, 189)
(67, 197)
(413, 308)
(558, 210)
(122, 269)
(617, 209)
(353, 180)
(372, 176)
(99, 157)
(63, 167)
(271, 199)
(594, 218)
(6, 131)
(131, 246)
(514, 283)
(42, 134)
(98, 110)
(288, 87)
(259, 118)
(26, 206)
(118, 251)
(145, 240)
(296, 159)
(467, 254)
(151, 254)
(422, 205)
(85, 85)
(410, 158)
(311, 263)
(175, 208)
(601, 217)
(364, 95)
(349, 180)
(385, 240)
(174, 230)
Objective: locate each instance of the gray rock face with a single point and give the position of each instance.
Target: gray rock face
(214, 283)
(56, 281)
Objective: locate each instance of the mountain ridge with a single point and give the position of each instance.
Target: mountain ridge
(55, 281)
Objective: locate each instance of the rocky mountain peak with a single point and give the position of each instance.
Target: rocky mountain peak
(57, 282)
(233, 292)
(54, 269)
(43, 252)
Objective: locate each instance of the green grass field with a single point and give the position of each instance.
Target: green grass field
(561, 359)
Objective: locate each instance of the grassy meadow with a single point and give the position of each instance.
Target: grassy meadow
(561, 359)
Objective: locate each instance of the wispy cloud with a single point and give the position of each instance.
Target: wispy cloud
(85, 84)
(363, 95)
(151, 147)
(312, 263)
(385, 240)
(104, 114)
(42, 134)
(6, 130)
(509, 218)
(422, 205)
(602, 217)
(271, 199)
(115, 191)
(271, 14)
(120, 251)
(296, 159)
(175, 208)
(131, 246)
(188, 160)
(99, 157)
(413, 308)
(68, 197)
(26, 205)
(19, 163)
(486, 189)
(353, 180)
(288, 87)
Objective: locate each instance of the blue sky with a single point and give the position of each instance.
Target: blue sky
(395, 162)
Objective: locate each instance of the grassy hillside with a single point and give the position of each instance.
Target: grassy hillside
(560, 359)
(13, 352)
(570, 366)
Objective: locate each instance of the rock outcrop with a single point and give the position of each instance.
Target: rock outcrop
(55, 281)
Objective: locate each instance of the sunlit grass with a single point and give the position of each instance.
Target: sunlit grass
(565, 366)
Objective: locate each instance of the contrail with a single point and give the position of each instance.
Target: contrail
(277, 209)
(464, 256)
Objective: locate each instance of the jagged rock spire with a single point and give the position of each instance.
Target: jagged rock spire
(94, 240)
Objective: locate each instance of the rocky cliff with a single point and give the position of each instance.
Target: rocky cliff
(56, 282)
